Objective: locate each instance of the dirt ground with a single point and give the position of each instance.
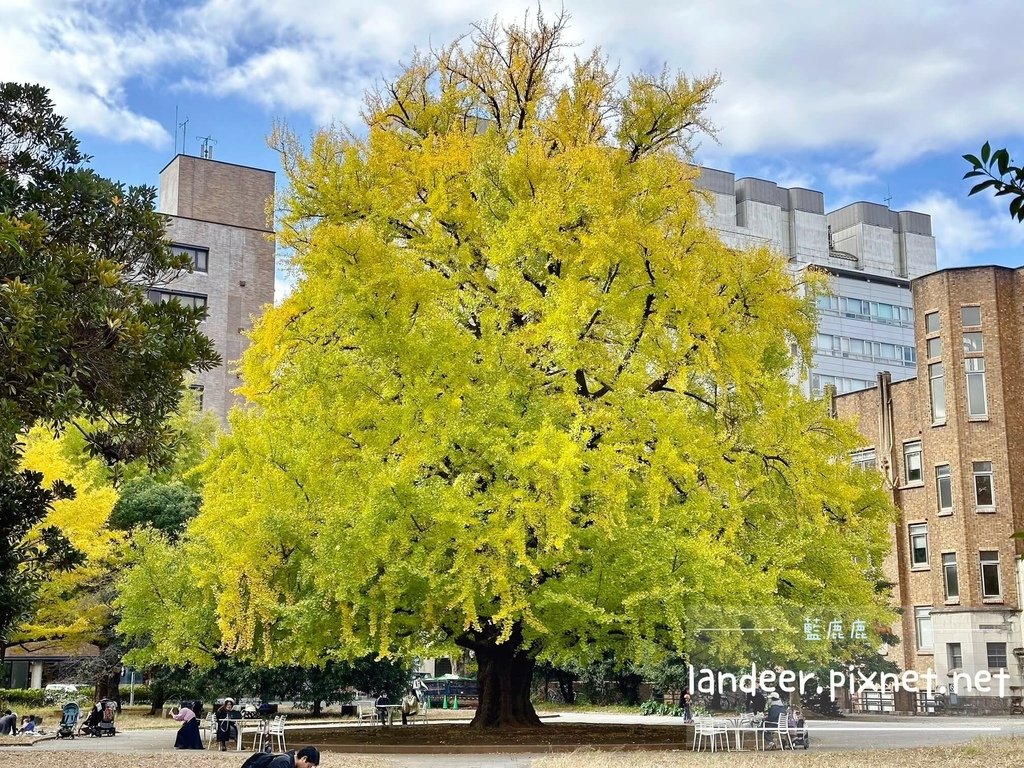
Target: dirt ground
(551, 733)
(46, 759)
(991, 753)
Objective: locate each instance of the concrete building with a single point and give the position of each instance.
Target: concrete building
(220, 216)
(945, 441)
(870, 252)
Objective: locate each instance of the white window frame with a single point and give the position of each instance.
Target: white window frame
(923, 627)
(864, 459)
(910, 449)
(953, 657)
(943, 471)
(949, 564)
(988, 655)
(937, 381)
(963, 320)
(975, 366)
(978, 470)
(916, 531)
(988, 563)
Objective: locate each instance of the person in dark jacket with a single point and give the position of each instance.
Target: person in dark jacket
(381, 705)
(8, 723)
(776, 712)
(188, 735)
(307, 757)
(227, 730)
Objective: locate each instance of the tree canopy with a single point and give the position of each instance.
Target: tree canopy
(79, 342)
(523, 400)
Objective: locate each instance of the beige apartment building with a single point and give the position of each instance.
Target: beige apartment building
(220, 214)
(949, 444)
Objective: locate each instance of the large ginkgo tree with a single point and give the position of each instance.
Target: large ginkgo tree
(523, 400)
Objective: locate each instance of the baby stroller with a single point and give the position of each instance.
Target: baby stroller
(798, 735)
(68, 721)
(101, 719)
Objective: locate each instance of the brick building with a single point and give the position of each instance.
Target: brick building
(945, 441)
(220, 215)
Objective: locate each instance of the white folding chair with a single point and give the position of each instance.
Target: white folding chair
(211, 726)
(276, 732)
(782, 733)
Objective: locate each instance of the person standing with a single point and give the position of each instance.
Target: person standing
(420, 689)
(188, 734)
(687, 709)
(227, 730)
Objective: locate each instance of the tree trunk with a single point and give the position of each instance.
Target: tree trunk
(108, 685)
(566, 684)
(504, 676)
(318, 708)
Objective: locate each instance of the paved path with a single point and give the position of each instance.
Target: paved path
(825, 735)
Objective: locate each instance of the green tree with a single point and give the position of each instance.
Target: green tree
(78, 339)
(1000, 175)
(165, 506)
(523, 401)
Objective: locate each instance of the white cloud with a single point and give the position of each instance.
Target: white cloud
(968, 233)
(849, 178)
(892, 81)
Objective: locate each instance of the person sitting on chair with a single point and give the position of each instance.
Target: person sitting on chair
(776, 711)
(381, 704)
(410, 706)
(226, 729)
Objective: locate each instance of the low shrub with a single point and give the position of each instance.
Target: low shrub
(13, 698)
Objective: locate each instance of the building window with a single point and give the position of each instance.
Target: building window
(931, 322)
(950, 580)
(912, 462)
(200, 256)
(990, 574)
(864, 459)
(919, 545)
(984, 497)
(196, 300)
(954, 655)
(935, 347)
(938, 386)
(944, 489)
(970, 317)
(976, 402)
(198, 389)
(996, 653)
(973, 342)
(923, 623)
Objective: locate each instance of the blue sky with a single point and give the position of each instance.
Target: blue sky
(863, 100)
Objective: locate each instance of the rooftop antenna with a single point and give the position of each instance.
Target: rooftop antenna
(184, 133)
(888, 197)
(206, 147)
